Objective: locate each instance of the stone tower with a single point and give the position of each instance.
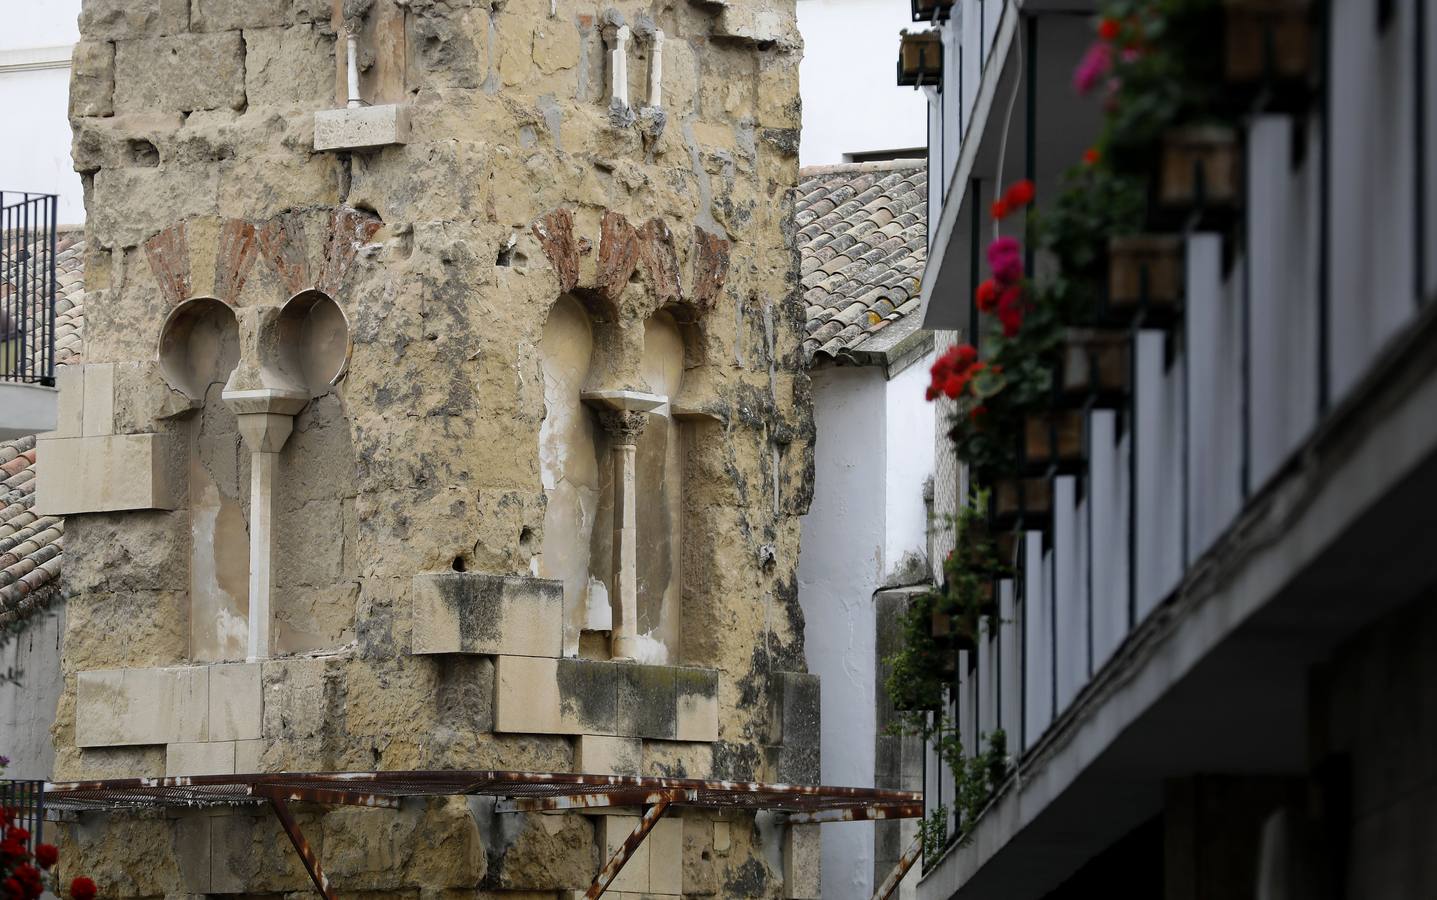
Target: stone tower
(443, 410)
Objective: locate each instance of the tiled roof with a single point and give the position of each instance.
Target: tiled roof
(30, 545)
(862, 230)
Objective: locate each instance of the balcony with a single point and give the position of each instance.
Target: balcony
(28, 398)
(1248, 483)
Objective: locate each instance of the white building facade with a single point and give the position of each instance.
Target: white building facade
(1210, 668)
(35, 49)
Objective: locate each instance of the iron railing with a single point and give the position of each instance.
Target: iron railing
(25, 801)
(27, 287)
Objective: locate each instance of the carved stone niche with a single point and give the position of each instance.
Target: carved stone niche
(612, 455)
(370, 60)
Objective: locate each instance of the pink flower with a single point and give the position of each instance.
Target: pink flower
(1005, 258)
(1094, 66)
(1132, 54)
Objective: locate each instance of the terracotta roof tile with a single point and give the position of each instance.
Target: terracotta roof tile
(31, 546)
(863, 238)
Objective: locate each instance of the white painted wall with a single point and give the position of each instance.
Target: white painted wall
(34, 95)
(873, 452)
(840, 565)
(909, 426)
(851, 102)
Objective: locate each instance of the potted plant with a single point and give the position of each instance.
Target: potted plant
(920, 58)
(1200, 171)
(1054, 437)
(1268, 48)
(1145, 273)
(1096, 367)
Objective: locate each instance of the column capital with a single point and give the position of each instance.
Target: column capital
(624, 426)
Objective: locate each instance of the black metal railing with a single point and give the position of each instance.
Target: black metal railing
(27, 287)
(25, 802)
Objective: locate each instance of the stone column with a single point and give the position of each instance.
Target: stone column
(266, 418)
(616, 36)
(351, 50)
(624, 428)
(623, 413)
(656, 69)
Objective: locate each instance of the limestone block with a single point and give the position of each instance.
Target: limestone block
(114, 19)
(300, 696)
(248, 755)
(99, 411)
(613, 831)
(180, 73)
(204, 758)
(588, 696)
(666, 856)
(119, 707)
(108, 473)
(678, 759)
(470, 612)
(226, 15)
(288, 66)
(606, 755)
(647, 702)
(92, 79)
(794, 724)
(526, 695)
(362, 128)
(70, 381)
(801, 863)
(697, 692)
(236, 704)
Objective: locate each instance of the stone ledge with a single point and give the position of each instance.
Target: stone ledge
(470, 612)
(594, 697)
(181, 705)
(361, 128)
(107, 473)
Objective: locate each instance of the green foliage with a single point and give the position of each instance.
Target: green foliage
(1166, 72)
(921, 670)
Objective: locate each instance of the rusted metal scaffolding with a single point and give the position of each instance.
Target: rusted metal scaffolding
(515, 792)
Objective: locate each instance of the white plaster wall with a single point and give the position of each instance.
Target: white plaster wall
(851, 102)
(909, 430)
(839, 568)
(36, 102)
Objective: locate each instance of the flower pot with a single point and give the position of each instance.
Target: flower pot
(1145, 272)
(988, 599)
(1200, 170)
(931, 10)
(920, 59)
(1054, 437)
(940, 624)
(1096, 366)
(1269, 43)
(1028, 501)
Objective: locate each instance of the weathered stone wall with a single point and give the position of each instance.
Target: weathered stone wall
(517, 183)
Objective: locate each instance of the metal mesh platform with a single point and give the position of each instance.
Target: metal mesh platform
(531, 789)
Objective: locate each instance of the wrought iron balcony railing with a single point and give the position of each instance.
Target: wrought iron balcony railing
(27, 287)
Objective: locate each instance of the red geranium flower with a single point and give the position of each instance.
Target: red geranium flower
(999, 209)
(1091, 156)
(13, 889)
(1019, 193)
(16, 833)
(975, 412)
(1108, 28)
(83, 888)
(47, 855)
(987, 296)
